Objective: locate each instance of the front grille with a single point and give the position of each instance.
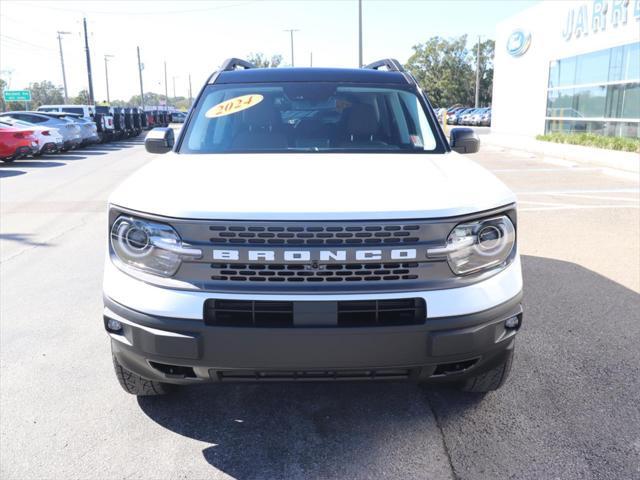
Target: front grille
(358, 313)
(315, 234)
(349, 272)
(328, 256)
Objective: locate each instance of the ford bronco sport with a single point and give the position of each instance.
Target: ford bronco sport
(312, 224)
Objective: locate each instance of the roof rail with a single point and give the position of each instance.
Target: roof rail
(232, 63)
(391, 64)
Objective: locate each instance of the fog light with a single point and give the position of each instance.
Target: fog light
(114, 325)
(513, 322)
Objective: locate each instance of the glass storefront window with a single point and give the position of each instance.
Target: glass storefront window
(554, 74)
(632, 62)
(587, 89)
(631, 101)
(610, 65)
(567, 73)
(592, 67)
(590, 101)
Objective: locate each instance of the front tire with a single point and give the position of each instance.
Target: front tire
(490, 380)
(136, 385)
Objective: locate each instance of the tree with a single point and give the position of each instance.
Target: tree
(45, 93)
(81, 99)
(3, 85)
(445, 69)
(150, 98)
(487, 49)
(261, 61)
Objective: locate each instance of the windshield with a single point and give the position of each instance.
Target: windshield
(319, 117)
(73, 110)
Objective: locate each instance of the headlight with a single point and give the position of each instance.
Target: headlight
(149, 246)
(478, 245)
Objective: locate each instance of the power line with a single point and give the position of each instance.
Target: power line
(27, 43)
(146, 13)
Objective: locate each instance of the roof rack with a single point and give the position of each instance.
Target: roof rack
(391, 64)
(232, 63)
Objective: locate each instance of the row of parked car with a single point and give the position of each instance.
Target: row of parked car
(59, 128)
(468, 116)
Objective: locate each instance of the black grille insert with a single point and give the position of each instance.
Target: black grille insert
(245, 313)
(314, 235)
(367, 313)
(361, 313)
(358, 272)
(311, 375)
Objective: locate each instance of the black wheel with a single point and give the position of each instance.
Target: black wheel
(8, 159)
(136, 385)
(490, 380)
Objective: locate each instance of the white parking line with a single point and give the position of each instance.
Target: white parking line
(548, 204)
(597, 197)
(545, 170)
(613, 172)
(521, 154)
(587, 191)
(559, 162)
(577, 207)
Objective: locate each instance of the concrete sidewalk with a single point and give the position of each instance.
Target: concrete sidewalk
(626, 161)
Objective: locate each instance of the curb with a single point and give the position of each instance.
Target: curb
(625, 161)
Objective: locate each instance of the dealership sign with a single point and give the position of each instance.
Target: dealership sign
(518, 43)
(17, 95)
(596, 16)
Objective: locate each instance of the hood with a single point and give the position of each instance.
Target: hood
(310, 186)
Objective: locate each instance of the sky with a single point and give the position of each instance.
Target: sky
(194, 37)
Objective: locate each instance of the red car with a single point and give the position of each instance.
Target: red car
(16, 142)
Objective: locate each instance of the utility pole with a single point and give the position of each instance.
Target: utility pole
(478, 76)
(311, 59)
(64, 75)
(140, 67)
(86, 47)
(166, 91)
(106, 74)
(291, 30)
(190, 96)
(359, 33)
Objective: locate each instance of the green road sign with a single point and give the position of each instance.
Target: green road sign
(17, 96)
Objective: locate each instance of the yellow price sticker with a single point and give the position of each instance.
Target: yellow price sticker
(234, 105)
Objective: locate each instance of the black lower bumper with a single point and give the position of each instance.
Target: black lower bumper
(188, 351)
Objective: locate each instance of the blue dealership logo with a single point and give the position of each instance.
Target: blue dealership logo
(518, 43)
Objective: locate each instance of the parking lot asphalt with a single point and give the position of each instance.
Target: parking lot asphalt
(569, 410)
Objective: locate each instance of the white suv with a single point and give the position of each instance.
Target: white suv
(312, 224)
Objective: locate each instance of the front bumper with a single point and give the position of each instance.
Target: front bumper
(184, 351)
(463, 334)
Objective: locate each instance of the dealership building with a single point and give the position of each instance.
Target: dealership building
(569, 66)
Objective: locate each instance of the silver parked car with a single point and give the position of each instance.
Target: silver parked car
(70, 131)
(49, 139)
(88, 128)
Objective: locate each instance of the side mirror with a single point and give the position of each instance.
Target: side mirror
(159, 140)
(464, 140)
